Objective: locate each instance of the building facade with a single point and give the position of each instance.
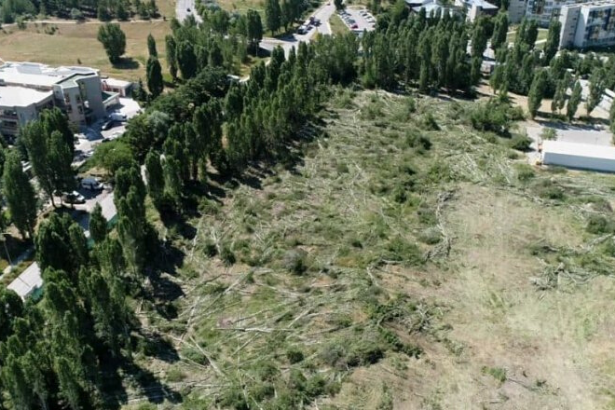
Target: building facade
(588, 25)
(26, 88)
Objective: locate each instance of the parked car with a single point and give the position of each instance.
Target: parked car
(109, 124)
(188, 10)
(73, 198)
(116, 116)
(354, 27)
(91, 183)
(301, 30)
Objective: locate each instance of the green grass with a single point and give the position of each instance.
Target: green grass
(399, 232)
(337, 25)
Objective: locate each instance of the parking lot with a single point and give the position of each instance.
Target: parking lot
(358, 19)
(95, 134)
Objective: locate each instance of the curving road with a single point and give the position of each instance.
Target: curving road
(182, 7)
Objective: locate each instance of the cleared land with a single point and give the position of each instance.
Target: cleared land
(76, 44)
(401, 260)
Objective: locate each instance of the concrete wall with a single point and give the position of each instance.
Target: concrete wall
(516, 10)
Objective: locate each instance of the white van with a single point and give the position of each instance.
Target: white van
(91, 183)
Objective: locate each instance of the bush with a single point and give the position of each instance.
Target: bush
(520, 142)
(364, 353)
(400, 250)
(76, 14)
(421, 143)
(548, 134)
(598, 224)
(496, 116)
(429, 122)
(524, 172)
(294, 355)
(295, 261)
(227, 256)
(549, 190)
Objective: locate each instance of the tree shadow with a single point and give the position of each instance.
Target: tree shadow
(149, 386)
(126, 63)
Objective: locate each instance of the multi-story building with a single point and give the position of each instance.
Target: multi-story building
(471, 8)
(588, 25)
(541, 10)
(19, 105)
(27, 88)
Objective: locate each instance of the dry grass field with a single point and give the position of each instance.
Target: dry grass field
(75, 44)
(402, 261)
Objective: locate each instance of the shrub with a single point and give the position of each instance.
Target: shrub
(416, 140)
(211, 249)
(497, 373)
(524, 172)
(400, 250)
(294, 355)
(549, 190)
(520, 142)
(227, 256)
(429, 122)
(430, 236)
(175, 375)
(496, 116)
(364, 353)
(76, 14)
(295, 261)
(598, 224)
(548, 134)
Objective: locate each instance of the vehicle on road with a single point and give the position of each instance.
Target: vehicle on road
(73, 198)
(301, 30)
(188, 10)
(109, 124)
(91, 183)
(354, 27)
(116, 116)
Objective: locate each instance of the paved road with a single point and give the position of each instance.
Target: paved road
(182, 7)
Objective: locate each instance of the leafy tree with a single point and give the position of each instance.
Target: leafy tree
(500, 30)
(60, 160)
(273, 15)
(597, 86)
(552, 43)
(20, 195)
(113, 40)
(113, 155)
(537, 91)
(574, 101)
(254, 29)
(612, 118)
(53, 246)
(155, 83)
(151, 46)
(339, 5)
(98, 225)
(171, 55)
(559, 98)
(11, 308)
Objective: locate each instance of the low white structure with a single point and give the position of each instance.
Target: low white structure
(29, 283)
(579, 156)
(121, 87)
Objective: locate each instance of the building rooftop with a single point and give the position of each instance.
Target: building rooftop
(481, 3)
(28, 282)
(578, 150)
(12, 96)
(113, 82)
(39, 75)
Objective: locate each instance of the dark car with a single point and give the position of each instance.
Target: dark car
(108, 125)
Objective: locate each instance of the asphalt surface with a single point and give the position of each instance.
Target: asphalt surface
(182, 7)
(363, 24)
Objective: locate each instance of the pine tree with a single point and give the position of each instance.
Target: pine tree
(500, 30)
(98, 225)
(597, 86)
(479, 38)
(186, 60)
(254, 29)
(574, 101)
(171, 55)
(612, 118)
(537, 92)
(20, 195)
(155, 177)
(273, 15)
(151, 46)
(552, 43)
(155, 83)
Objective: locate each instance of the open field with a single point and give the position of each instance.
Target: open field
(75, 44)
(242, 6)
(402, 260)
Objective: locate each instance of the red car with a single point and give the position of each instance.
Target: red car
(354, 27)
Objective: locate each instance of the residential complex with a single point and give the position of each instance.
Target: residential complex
(588, 25)
(28, 88)
(541, 10)
(471, 8)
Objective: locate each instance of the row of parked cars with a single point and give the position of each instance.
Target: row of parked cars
(89, 183)
(311, 23)
(352, 23)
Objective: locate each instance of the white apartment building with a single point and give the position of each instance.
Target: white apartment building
(27, 88)
(588, 25)
(541, 10)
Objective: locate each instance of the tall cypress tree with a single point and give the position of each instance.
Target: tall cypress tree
(574, 101)
(20, 195)
(537, 92)
(151, 46)
(155, 83)
(273, 15)
(552, 43)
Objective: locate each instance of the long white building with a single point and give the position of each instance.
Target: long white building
(28, 88)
